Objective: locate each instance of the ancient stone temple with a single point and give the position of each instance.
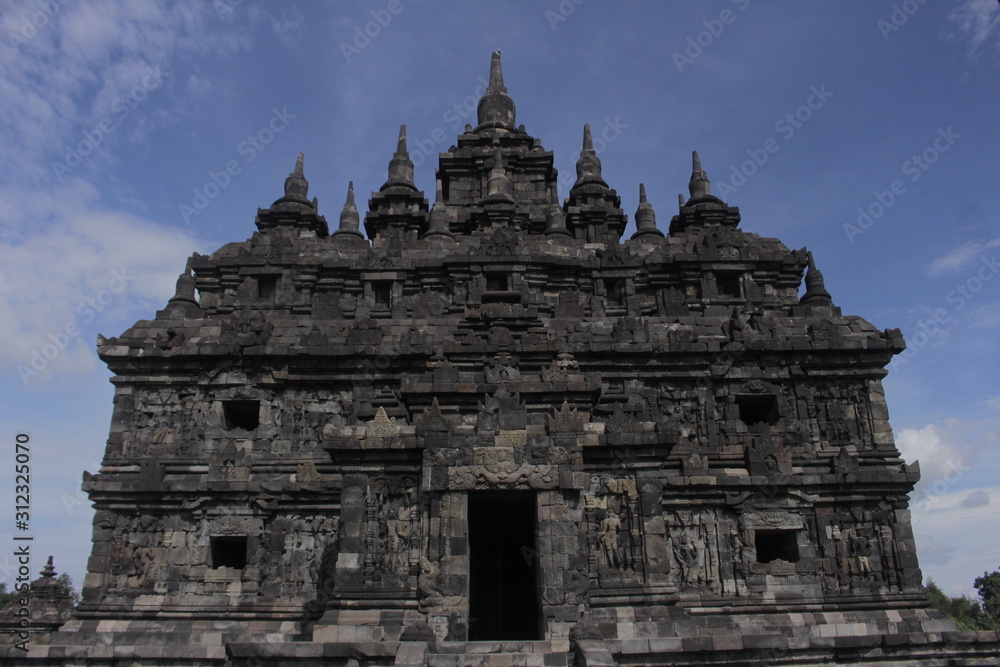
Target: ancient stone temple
(494, 431)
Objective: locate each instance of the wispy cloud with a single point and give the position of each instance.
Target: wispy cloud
(962, 531)
(947, 450)
(79, 268)
(75, 71)
(978, 22)
(962, 257)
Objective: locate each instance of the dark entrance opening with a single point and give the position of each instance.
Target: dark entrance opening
(503, 566)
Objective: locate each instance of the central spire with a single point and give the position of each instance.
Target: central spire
(698, 186)
(496, 108)
(401, 166)
(296, 185)
(588, 165)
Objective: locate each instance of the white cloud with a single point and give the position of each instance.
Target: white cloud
(940, 456)
(66, 79)
(950, 454)
(963, 257)
(288, 27)
(61, 244)
(966, 538)
(70, 265)
(986, 316)
(978, 21)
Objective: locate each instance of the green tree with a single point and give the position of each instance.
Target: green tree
(5, 595)
(967, 613)
(988, 586)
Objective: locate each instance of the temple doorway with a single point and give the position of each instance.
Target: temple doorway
(503, 566)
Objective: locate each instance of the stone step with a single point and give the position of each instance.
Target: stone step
(500, 660)
(506, 646)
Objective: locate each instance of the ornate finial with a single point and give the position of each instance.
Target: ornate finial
(588, 166)
(296, 185)
(680, 200)
(401, 142)
(588, 139)
(645, 217)
(498, 188)
(185, 290)
(815, 293)
(400, 167)
(699, 185)
(496, 74)
(350, 221)
(49, 570)
(555, 219)
(439, 215)
(496, 108)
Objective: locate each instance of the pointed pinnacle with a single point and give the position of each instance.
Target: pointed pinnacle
(699, 185)
(349, 219)
(645, 217)
(496, 74)
(298, 165)
(680, 200)
(588, 140)
(401, 144)
(816, 292)
(400, 166)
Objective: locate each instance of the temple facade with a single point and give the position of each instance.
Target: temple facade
(494, 431)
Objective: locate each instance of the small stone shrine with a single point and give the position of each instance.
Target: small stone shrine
(493, 431)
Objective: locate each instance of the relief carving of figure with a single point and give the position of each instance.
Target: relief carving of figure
(861, 550)
(688, 558)
(609, 540)
(398, 528)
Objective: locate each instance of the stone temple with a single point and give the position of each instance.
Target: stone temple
(493, 431)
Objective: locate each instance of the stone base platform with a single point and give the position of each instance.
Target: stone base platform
(609, 636)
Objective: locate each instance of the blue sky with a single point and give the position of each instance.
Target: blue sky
(135, 133)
